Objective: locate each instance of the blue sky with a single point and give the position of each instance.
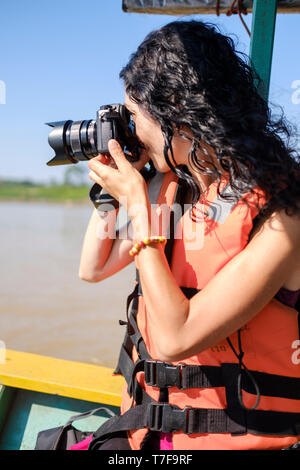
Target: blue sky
(61, 60)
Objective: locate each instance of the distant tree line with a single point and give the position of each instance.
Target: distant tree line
(73, 176)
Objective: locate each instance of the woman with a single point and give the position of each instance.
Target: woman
(221, 311)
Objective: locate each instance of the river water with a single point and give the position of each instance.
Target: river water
(45, 308)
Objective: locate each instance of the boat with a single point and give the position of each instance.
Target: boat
(40, 392)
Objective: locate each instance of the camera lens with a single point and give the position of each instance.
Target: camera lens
(81, 139)
(72, 141)
(88, 137)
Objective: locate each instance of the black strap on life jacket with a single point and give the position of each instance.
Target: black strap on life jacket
(162, 374)
(162, 417)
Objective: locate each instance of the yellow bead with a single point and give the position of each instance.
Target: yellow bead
(147, 241)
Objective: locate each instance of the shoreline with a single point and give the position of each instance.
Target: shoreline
(57, 194)
(69, 202)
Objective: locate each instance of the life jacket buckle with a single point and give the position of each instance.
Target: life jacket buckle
(164, 417)
(163, 374)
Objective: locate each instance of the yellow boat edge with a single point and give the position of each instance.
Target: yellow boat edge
(62, 377)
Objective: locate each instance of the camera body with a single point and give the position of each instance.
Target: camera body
(83, 140)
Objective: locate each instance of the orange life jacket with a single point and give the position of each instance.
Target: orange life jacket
(243, 393)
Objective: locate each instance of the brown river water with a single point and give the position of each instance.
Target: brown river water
(45, 308)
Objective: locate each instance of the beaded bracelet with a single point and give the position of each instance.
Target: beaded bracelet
(147, 241)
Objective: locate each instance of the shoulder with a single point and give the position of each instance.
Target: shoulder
(276, 242)
(280, 226)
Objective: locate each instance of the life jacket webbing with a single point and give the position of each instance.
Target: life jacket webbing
(165, 375)
(182, 376)
(163, 417)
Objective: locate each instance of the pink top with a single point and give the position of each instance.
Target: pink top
(166, 441)
(83, 445)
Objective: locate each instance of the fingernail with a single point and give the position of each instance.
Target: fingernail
(113, 143)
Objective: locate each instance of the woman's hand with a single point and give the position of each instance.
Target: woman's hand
(120, 178)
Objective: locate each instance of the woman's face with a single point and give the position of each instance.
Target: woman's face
(149, 132)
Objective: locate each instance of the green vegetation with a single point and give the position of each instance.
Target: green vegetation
(74, 188)
(29, 191)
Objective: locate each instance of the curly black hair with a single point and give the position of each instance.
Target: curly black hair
(189, 74)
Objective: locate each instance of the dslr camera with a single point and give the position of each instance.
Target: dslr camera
(82, 140)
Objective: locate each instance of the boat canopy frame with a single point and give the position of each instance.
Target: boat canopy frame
(262, 28)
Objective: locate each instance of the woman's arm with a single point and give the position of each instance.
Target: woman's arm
(104, 250)
(182, 327)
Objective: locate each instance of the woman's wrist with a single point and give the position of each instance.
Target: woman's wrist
(139, 212)
(141, 226)
(148, 241)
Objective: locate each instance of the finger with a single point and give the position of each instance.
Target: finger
(117, 154)
(101, 169)
(106, 160)
(102, 159)
(112, 163)
(94, 177)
